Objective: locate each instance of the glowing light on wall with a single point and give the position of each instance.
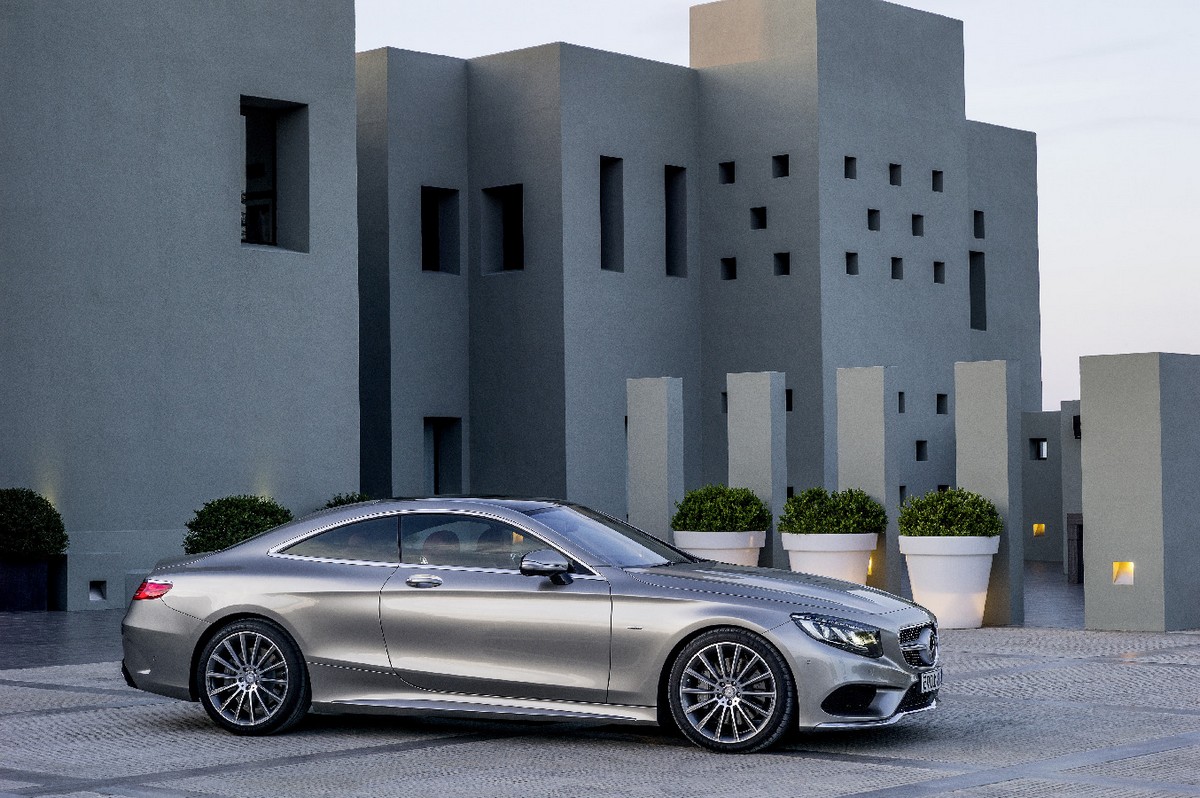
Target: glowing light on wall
(1039, 530)
(1122, 573)
(870, 565)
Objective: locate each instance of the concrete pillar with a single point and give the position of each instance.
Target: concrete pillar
(988, 452)
(1042, 526)
(1141, 465)
(866, 432)
(757, 427)
(1072, 473)
(654, 439)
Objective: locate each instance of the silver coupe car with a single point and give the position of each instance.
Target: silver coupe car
(520, 608)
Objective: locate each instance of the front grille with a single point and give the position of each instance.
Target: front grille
(915, 699)
(909, 645)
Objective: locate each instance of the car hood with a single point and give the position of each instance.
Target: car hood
(769, 584)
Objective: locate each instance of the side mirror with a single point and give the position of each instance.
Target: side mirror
(547, 562)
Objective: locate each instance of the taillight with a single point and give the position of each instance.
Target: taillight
(151, 589)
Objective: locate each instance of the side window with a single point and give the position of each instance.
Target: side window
(469, 541)
(373, 540)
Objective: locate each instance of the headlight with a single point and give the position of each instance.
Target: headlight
(847, 635)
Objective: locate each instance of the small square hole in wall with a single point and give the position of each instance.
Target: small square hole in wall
(900, 402)
(939, 271)
(897, 268)
(783, 264)
(943, 488)
(918, 224)
(851, 263)
(937, 180)
(1122, 573)
(922, 451)
(780, 166)
(873, 219)
(98, 590)
(724, 402)
(758, 218)
(903, 493)
(894, 174)
(943, 404)
(791, 491)
(978, 224)
(1039, 449)
(725, 172)
(850, 169)
(728, 268)
(787, 399)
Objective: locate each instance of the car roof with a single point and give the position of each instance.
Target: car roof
(520, 505)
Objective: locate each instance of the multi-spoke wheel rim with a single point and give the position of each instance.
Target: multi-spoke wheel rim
(728, 692)
(246, 678)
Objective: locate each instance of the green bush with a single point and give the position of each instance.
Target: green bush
(954, 512)
(30, 527)
(817, 511)
(223, 522)
(354, 497)
(717, 508)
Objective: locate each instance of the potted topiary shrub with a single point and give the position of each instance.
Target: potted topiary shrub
(31, 535)
(722, 523)
(223, 522)
(948, 539)
(832, 534)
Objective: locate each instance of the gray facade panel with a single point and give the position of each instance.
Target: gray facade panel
(1041, 487)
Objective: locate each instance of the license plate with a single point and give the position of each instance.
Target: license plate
(931, 680)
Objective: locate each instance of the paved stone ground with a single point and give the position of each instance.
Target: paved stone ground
(1025, 712)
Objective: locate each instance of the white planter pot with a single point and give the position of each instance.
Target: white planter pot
(735, 548)
(838, 556)
(949, 576)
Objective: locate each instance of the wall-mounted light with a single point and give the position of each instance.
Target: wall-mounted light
(1039, 530)
(1122, 573)
(870, 565)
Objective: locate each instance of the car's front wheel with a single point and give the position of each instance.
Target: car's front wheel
(731, 691)
(252, 679)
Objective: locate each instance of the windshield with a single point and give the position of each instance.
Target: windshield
(609, 540)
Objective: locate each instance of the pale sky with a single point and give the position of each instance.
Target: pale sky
(1111, 87)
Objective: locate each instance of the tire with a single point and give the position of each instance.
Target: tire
(730, 691)
(252, 679)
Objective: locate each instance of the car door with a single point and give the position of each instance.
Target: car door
(459, 617)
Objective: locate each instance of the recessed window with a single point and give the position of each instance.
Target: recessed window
(918, 224)
(443, 454)
(275, 192)
(942, 404)
(850, 168)
(787, 399)
(851, 263)
(724, 402)
(937, 180)
(1076, 428)
(980, 232)
(873, 219)
(503, 228)
(978, 291)
(612, 215)
(725, 172)
(758, 218)
(903, 493)
(675, 206)
(439, 230)
(1039, 449)
(791, 491)
(780, 166)
(922, 451)
(900, 402)
(939, 271)
(728, 268)
(897, 268)
(894, 174)
(783, 264)
(943, 488)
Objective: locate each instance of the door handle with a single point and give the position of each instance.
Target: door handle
(423, 580)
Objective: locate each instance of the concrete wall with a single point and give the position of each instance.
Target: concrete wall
(1072, 467)
(1041, 487)
(152, 361)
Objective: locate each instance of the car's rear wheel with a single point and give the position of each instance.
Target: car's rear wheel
(731, 691)
(252, 679)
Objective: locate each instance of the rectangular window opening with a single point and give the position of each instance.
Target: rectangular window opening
(850, 168)
(443, 455)
(1076, 428)
(937, 180)
(978, 224)
(275, 191)
(675, 204)
(1039, 449)
(903, 493)
(943, 488)
(978, 291)
(439, 230)
(758, 218)
(791, 491)
(783, 264)
(851, 263)
(503, 228)
(900, 402)
(894, 174)
(724, 401)
(942, 404)
(918, 224)
(612, 215)
(726, 172)
(922, 451)
(873, 219)
(780, 166)
(787, 399)
(728, 268)
(939, 271)
(897, 268)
